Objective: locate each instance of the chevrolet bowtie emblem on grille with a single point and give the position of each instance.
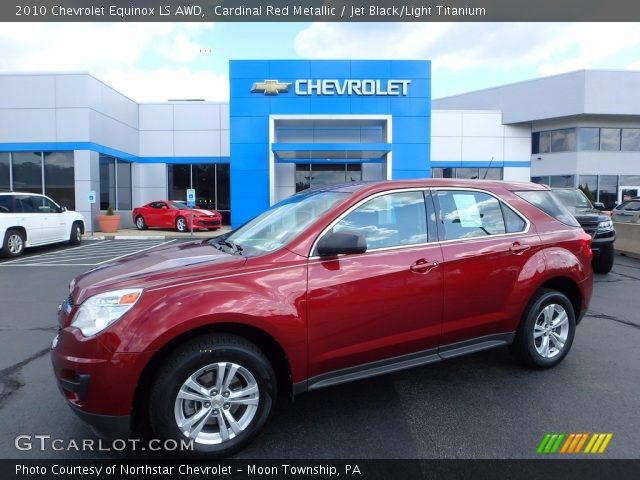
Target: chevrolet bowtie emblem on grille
(270, 87)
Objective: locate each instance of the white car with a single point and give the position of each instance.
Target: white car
(29, 219)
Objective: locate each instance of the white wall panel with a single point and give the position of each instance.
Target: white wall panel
(482, 148)
(197, 116)
(517, 174)
(446, 148)
(482, 124)
(199, 144)
(446, 124)
(517, 149)
(225, 143)
(156, 143)
(72, 125)
(27, 91)
(28, 125)
(156, 117)
(71, 91)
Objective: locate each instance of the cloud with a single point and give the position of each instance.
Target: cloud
(546, 47)
(165, 83)
(123, 52)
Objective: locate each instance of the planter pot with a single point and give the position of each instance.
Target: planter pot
(109, 223)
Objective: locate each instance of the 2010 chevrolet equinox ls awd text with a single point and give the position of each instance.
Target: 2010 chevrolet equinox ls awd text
(328, 286)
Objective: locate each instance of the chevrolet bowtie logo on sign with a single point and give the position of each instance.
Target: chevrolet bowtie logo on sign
(270, 87)
(573, 443)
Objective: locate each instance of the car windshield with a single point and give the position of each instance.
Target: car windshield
(282, 222)
(573, 199)
(179, 205)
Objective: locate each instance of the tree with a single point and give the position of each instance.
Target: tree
(587, 192)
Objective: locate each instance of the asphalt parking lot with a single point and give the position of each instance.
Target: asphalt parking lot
(479, 406)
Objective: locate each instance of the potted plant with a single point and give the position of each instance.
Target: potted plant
(109, 222)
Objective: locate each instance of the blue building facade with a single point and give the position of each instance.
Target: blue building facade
(295, 124)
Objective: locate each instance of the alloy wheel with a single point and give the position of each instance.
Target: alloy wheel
(551, 330)
(216, 403)
(181, 224)
(15, 244)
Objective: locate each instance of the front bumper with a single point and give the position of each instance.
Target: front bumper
(99, 385)
(602, 241)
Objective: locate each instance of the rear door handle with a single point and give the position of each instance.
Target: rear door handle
(518, 249)
(423, 266)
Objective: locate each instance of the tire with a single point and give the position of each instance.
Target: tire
(75, 237)
(140, 223)
(181, 224)
(603, 263)
(193, 370)
(537, 345)
(13, 243)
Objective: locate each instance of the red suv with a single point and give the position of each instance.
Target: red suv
(330, 285)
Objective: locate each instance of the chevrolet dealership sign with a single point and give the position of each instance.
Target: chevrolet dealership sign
(368, 88)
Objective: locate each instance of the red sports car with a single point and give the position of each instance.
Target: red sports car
(174, 214)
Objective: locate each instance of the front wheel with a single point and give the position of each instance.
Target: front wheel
(603, 263)
(140, 223)
(13, 244)
(75, 237)
(546, 332)
(181, 224)
(217, 391)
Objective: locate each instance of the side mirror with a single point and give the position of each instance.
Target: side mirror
(341, 243)
(599, 206)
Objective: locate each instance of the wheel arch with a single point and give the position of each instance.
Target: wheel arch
(20, 229)
(569, 288)
(264, 341)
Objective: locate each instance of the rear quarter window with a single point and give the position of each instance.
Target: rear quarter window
(6, 204)
(545, 201)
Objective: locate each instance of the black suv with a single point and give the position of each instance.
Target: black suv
(594, 222)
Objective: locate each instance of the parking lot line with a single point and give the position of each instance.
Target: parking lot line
(93, 254)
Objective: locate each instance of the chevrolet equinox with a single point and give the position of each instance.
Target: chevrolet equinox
(331, 285)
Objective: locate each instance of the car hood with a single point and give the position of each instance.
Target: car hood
(590, 215)
(197, 211)
(156, 267)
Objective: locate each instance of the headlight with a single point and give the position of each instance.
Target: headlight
(71, 285)
(100, 311)
(605, 226)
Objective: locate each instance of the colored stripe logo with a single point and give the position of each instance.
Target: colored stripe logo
(573, 443)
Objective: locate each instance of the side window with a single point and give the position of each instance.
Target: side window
(467, 214)
(27, 205)
(512, 220)
(389, 220)
(44, 205)
(6, 204)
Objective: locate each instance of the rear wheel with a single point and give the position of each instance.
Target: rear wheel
(216, 390)
(181, 224)
(603, 263)
(75, 237)
(546, 332)
(140, 223)
(13, 244)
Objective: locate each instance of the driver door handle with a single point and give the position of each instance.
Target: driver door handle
(518, 248)
(423, 266)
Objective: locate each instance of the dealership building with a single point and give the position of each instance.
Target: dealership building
(291, 125)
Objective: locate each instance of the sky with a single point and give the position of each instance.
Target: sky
(161, 61)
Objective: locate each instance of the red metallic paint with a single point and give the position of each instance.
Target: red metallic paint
(326, 314)
(166, 217)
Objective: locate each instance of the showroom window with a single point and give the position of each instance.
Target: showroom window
(5, 171)
(562, 140)
(211, 182)
(488, 173)
(115, 183)
(389, 220)
(610, 139)
(59, 178)
(50, 173)
(630, 140)
(588, 138)
(314, 174)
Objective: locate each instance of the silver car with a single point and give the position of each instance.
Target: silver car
(628, 212)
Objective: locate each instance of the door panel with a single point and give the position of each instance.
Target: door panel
(30, 219)
(485, 249)
(383, 303)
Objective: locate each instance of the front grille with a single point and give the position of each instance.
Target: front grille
(209, 222)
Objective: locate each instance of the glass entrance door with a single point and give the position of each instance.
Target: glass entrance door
(314, 174)
(627, 192)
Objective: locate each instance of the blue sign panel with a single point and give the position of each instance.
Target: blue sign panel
(398, 90)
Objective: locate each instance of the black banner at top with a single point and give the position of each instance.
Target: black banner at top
(318, 10)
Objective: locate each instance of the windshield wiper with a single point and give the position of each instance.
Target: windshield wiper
(230, 244)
